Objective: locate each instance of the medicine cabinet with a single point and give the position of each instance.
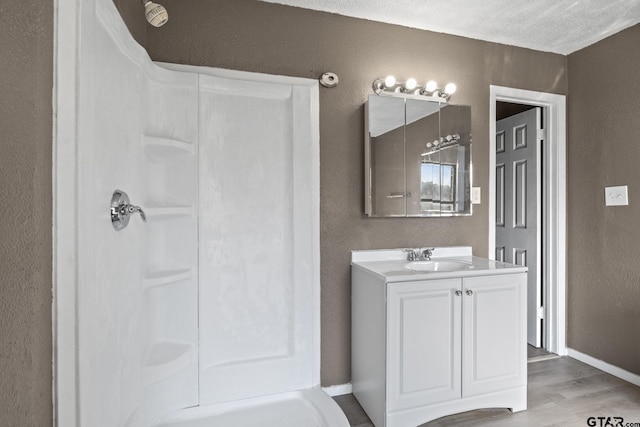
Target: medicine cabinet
(417, 157)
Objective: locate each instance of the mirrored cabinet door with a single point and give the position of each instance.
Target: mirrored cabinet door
(422, 163)
(455, 160)
(388, 192)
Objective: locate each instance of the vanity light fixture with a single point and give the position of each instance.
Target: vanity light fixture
(390, 85)
(389, 81)
(442, 142)
(410, 85)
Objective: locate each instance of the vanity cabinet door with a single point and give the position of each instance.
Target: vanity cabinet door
(494, 333)
(424, 339)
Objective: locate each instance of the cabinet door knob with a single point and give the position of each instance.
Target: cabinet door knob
(458, 293)
(469, 292)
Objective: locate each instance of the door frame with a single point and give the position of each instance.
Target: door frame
(70, 17)
(554, 217)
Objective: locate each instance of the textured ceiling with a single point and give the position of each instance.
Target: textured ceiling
(559, 26)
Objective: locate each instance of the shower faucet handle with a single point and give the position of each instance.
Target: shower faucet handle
(130, 209)
(121, 210)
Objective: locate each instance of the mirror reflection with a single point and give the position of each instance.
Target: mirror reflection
(418, 158)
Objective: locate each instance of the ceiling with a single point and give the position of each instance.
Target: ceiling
(559, 26)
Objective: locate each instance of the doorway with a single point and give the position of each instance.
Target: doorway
(519, 146)
(552, 230)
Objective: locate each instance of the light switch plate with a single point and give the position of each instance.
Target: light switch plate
(616, 196)
(476, 195)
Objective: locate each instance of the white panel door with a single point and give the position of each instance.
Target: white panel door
(258, 259)
(493, 338)
(424, 339)
(137, 324)
(518, 202)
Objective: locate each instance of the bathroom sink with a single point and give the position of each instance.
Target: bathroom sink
(438, 265)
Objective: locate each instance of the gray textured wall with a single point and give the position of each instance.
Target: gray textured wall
(26, 58)
(604, 150)
(268, 38)
(133, 12)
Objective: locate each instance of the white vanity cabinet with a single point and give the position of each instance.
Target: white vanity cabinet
(423, 348)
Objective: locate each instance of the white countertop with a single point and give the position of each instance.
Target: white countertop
(390, 264)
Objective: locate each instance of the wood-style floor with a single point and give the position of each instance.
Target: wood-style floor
(536, 352)
(562, 392)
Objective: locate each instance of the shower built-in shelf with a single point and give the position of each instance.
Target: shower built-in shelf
(165, 359)
(159, 148)
(161, 213)
(168, 277)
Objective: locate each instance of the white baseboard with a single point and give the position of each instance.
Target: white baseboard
(338, 390)
(604, 366)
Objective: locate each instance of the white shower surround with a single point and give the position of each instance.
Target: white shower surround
(118, 358)
(259, 240)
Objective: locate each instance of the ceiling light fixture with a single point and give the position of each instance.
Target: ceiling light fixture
(390, 86)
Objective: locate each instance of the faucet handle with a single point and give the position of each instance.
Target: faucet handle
(121, 210)
(412, 255)
(425, 253)
(131, 209)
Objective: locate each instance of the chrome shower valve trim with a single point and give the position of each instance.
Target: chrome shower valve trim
(121, 210)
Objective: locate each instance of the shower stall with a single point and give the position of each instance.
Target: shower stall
(204, 309)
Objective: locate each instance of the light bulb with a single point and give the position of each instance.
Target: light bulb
(155, 13)
(431, 86)
(410, 84)
(389, 81)
(450, 88)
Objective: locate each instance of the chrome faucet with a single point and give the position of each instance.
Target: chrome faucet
(412, 254)
(422, 254)
(425, 253)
